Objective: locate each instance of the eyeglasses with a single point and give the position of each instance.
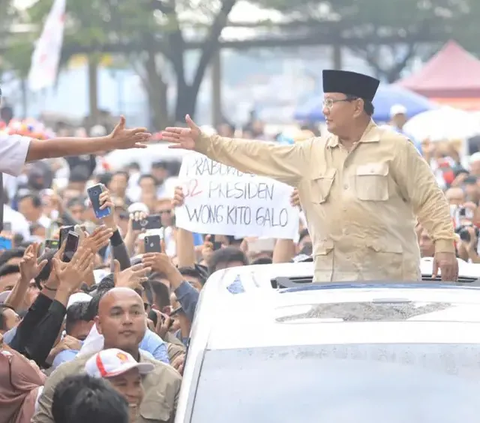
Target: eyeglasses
(329, 102)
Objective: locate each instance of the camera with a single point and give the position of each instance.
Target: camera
(464, 234)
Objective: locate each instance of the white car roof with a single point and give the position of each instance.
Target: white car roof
(239, 308)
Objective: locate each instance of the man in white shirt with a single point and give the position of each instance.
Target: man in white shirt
(16, 150)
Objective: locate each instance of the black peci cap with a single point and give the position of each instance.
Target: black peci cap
(350, 83)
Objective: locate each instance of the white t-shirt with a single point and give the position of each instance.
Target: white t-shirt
(13, 153)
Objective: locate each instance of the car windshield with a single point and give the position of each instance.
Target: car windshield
(371, 383)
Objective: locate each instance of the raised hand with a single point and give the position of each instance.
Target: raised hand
(122, 138)
(178, 197)
(185, 138)
(98, 239)
(133, 277)
(30, 268)
(71, 275)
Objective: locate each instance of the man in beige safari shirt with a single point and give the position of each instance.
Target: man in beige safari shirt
(362, 187)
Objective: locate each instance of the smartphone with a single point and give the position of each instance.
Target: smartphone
(216, 245)
(153, 221)
(94, 195)
(176, 311)
(153, 317)
(52, 244)
(152, 244)
(64, 230)
(71, 245)
(7, 227)
(5, 243)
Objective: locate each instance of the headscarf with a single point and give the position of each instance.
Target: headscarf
(20, 381)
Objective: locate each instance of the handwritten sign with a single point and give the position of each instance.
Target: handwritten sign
(221, 200)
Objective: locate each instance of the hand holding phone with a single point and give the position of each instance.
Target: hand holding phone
(216, 245)
(94, 195)
(154, 221)
(153, 244)
(71, 245)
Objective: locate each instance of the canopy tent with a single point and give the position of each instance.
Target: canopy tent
(453, 73)
(443, 124)
(387, 96)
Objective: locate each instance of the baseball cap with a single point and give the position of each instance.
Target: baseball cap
(114, 362)
(79, 297)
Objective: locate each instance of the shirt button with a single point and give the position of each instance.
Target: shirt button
(345, 186)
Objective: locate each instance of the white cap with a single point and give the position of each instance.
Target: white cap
(138, 207)
(98, 131)
(114, 362)
(79, 297)
(398, 109)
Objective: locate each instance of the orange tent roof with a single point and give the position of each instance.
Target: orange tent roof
(452, 73)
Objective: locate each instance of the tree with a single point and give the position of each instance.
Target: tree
(394, 32)
(155, 25)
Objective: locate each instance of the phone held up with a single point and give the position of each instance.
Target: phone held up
(52, 244)
(216, 244)
(94, 195)
(71, 245)
(153, 244)
(153, 221)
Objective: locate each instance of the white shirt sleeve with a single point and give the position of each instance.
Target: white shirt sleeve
(13, 153)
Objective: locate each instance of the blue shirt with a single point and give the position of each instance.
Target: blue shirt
(155, 345)
(64, 357)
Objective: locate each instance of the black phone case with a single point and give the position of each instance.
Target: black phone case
(152, 244)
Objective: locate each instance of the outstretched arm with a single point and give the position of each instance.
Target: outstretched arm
(286, 164)
(120, 138)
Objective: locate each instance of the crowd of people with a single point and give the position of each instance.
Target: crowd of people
(104, 335)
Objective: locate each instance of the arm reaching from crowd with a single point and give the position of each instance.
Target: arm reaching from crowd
(286, 164)
(120, 139)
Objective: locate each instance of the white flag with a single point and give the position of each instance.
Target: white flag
(46, 57)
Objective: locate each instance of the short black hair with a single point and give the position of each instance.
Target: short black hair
(194, 272)
(148, 176)
(149, 293)
(79, 201)
(82, 398)
(262, 260)
(36, 200)
(226, 255)
(122, 173)
(107, 283)
(161, 293)
(77, 312)
(92, 308)
(10, 254)
(9, 269)
(105, 179)
(368, 106)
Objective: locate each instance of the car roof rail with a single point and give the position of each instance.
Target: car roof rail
(282, 282)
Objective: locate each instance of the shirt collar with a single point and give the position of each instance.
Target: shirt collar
(371, 134)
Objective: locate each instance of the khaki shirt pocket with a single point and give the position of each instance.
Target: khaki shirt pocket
(321, 186)
(155, 411)
(371, 182)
